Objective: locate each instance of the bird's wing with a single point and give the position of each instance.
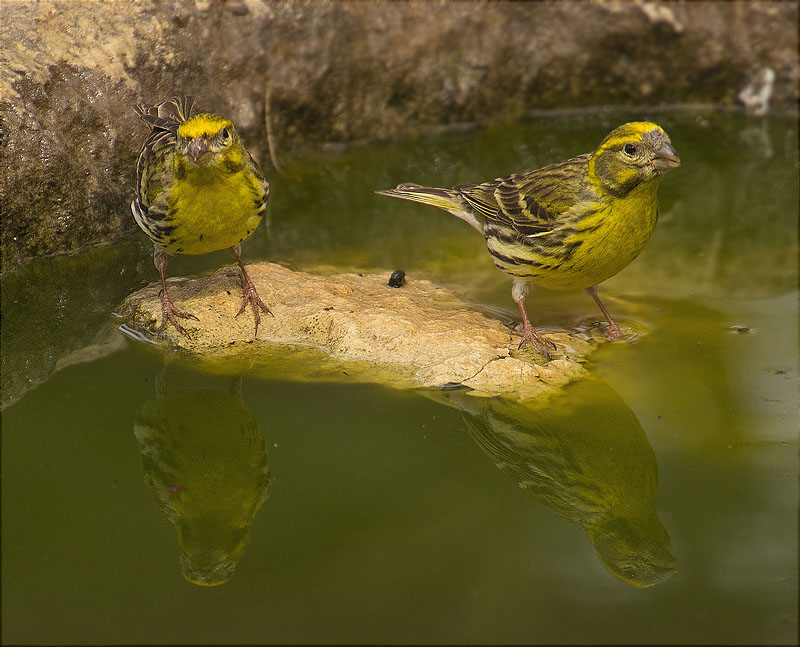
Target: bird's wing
(255, 169)
(154, 172)
(154, 168)
(530, 202)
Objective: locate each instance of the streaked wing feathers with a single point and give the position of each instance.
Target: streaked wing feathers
(480, 197)
(256, 170)
(153, 173)
(530, 202)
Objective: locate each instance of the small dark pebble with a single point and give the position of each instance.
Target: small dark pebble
(360, 274)
(742, 329)
(328, 308)
(397, 279)
(782, 371)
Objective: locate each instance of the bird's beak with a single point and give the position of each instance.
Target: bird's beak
(666, 158)
(198, 149)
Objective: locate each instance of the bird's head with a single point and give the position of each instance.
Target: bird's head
(206, 140)
(631, 154)
(634, 549)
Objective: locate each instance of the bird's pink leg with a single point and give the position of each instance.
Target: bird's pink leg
(613, 332)
(168, 310)
(518, 292)
(250, 293)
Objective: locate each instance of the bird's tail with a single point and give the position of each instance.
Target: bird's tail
(167, 114)
(443, 198)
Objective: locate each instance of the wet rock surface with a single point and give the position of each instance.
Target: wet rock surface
(308, 76)
(417, 335)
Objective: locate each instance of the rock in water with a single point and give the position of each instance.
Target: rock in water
(422, 335)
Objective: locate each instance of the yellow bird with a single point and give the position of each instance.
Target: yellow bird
(572, 224)
(198, 190)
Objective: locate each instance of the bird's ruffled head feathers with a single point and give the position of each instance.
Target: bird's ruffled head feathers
(631, 154)
(207, 139)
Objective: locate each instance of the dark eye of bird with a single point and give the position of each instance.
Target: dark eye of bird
(630, 149)
(224, 133)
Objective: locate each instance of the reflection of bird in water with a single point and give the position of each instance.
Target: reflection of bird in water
(203, 457)
(584, 455)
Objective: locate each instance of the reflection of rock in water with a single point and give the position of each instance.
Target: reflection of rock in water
(203, 457)
(585, 456)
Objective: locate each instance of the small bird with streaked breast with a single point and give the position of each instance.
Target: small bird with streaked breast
(198, 190)
(569, 225)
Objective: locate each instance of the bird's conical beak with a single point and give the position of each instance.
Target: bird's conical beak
(198, 149)
(666, 158)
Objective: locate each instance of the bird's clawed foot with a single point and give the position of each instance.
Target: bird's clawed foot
(251, 296)
(613, 332)
(539, 342)
(171, 314)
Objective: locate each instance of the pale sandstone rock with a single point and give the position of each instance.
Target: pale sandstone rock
(418, 335)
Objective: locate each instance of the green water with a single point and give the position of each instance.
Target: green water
(654, 502)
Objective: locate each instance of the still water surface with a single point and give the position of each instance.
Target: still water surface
(653, 502)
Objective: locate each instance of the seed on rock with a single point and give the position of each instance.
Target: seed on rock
(397, 279)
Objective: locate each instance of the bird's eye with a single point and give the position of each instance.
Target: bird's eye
(224, 134)
(630, 149)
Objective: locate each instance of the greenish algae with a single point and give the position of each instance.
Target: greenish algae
(293, 363)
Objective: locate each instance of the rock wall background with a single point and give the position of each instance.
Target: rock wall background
(332, 73)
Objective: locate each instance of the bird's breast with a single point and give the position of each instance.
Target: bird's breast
(213, 210)
(609, 238)
(588, 245)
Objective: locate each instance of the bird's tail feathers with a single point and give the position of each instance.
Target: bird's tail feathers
(167, 114)
(443, 198)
